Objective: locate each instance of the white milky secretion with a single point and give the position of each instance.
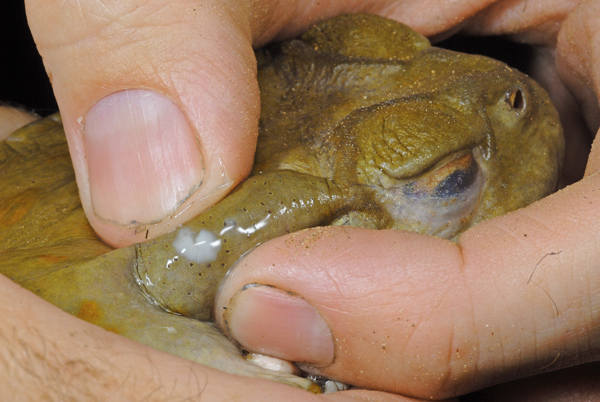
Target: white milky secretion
(273, 363)
(203, 248)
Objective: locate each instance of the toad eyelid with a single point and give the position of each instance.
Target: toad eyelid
(448, 160)
(441, 172)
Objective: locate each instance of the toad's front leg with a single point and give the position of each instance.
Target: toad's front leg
(182, 271)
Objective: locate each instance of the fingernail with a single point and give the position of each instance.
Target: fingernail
(277, 323)
(143, 157)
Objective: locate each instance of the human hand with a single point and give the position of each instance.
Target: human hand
(56, 262)
(154, 74)
(421, 316)
(32, 324)
(161, 126)
(74, 360)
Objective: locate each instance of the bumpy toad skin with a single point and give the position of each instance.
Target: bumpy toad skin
(363, 123)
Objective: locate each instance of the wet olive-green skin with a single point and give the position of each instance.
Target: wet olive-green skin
(359, 108)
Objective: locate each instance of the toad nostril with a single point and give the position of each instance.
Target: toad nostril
(515, 98)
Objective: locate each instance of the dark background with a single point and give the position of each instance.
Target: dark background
(23, 80)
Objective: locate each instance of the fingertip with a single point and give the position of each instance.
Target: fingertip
(365, 296)
(142, 155)
(160, 111)
(140, 167)
(13, 118)
(280, 324)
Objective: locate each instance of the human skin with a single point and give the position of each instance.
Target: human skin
(12, 118)
(495, 280)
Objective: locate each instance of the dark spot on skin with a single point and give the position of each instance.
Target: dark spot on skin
(199, 273)
(224, 240)
(208, 265)
(90, 311)
(191, 264)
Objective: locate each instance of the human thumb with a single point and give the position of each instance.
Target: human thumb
(160, 106)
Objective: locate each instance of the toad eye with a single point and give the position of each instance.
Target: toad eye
(515, 98)
(462, 176)
(449, 180)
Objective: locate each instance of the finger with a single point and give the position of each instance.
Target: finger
(422, 316)
(159, 99)
(537, 238)
(159, 103)
(255, 300)
(578, 137)
(12, 118)
(536, 22)
(578, 62)
(75, 360)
